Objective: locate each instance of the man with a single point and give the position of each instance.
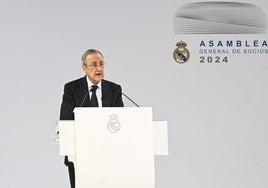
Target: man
(89, 91)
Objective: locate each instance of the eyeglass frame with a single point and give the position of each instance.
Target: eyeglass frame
(95, 65)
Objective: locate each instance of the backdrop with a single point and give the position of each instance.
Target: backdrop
(214, 98)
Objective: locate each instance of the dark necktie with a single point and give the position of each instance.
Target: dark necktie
(93, 99)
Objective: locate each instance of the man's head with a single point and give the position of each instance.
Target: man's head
(93, 65)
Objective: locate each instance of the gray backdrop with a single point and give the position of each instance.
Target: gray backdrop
(216, 114)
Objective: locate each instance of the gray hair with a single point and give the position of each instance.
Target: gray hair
(90, 51)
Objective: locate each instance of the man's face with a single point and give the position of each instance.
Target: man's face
(94, 67)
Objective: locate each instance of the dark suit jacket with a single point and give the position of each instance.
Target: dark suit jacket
(75, 91)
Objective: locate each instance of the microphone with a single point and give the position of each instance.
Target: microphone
(128, 98)
(84, 99)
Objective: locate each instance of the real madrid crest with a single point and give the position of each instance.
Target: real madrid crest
(181, 54)
(113, 124)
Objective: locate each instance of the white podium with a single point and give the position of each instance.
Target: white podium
(113, 147)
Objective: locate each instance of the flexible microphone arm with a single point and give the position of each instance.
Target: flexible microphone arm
(117, 91)
(84, 99)
(128, 98)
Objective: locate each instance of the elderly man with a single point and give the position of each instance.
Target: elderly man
(89, 91)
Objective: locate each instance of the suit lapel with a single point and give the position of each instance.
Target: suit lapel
(84, 94)
(106, 93)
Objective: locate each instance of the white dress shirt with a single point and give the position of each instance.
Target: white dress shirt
(98, 91)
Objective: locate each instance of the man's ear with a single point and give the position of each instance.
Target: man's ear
(84, 67)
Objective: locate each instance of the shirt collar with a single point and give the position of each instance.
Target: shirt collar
(89, 84)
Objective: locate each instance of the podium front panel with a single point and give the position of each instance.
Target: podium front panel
(114, 147)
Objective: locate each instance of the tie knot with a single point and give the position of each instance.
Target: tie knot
(93, 88)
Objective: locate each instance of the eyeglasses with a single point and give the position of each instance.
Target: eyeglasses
(95, 65)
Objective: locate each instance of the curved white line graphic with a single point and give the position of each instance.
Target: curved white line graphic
(219, 18)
